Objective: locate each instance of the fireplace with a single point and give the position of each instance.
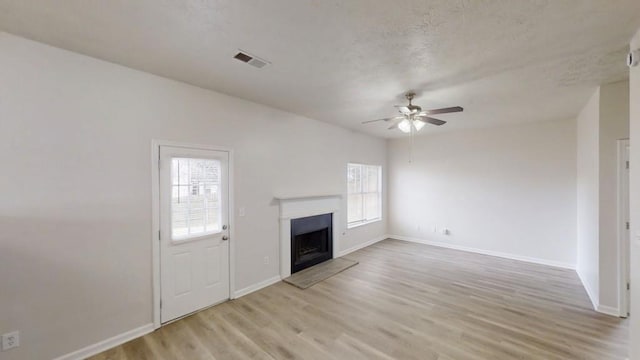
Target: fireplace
(311, 241)
(294, 207)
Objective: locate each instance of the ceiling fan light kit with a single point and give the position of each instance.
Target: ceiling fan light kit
(413, 118)
(405, 126)
(418, 124)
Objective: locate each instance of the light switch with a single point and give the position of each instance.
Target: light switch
(241, 211)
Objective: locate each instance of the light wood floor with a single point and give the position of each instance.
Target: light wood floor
(403, 301)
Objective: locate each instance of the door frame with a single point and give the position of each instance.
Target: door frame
(623, 233)
(155, 218)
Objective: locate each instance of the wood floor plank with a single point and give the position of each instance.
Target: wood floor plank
(403, 301)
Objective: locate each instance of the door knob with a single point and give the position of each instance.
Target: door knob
(225, 237)
(224, 227)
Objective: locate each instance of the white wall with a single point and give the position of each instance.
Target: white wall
(634, 112)
(75, 214)
(507, 190)
(614, 125)
(588, 184)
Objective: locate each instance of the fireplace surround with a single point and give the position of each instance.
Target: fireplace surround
(296, 207)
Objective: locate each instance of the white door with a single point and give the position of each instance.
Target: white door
(194, 246)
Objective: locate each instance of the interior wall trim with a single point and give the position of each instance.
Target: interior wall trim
(363, 245)
(108, 343)
(255, 287)
(487, 252)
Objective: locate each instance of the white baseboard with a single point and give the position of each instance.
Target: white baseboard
(362, 246)
(107, 344)
(143, 330)
(486, 252)
(255, 287)
(608, 310)
(587, 288)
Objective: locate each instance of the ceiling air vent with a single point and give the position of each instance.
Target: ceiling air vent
(251, 60)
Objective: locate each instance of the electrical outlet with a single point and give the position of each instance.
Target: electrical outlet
(10, 340)
(266, 260)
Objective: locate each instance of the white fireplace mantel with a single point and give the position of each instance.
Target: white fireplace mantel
(293, 207)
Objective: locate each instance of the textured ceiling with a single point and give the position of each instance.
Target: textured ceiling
(504, 61)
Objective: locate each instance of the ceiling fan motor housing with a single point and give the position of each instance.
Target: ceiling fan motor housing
(414, 108)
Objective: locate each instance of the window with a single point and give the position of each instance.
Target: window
(195, 205)
(364, 191)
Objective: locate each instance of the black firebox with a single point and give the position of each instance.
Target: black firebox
(311, 241)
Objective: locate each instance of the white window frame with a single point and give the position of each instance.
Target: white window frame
(364, 221)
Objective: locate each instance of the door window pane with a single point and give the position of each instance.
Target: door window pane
(195, 200)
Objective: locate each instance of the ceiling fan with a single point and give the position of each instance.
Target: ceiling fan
(412, 117)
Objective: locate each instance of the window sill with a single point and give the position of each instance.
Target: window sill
(358, 224)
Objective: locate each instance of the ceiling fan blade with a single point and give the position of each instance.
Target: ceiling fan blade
(403, 109)
(433, 121)
(395, 125)
(385, 119)
(444, 110)
(370, 121)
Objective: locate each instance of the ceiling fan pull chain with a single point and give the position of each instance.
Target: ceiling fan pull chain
(411, 147)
